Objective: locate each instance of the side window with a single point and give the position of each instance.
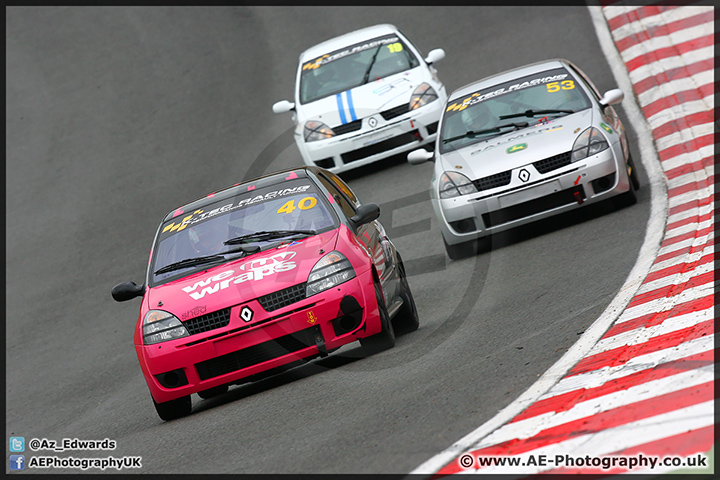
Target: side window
(339, 183)
(412, 44)
(587, 82)
(345, 204)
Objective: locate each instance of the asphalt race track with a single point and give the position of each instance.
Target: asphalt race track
(115, 116)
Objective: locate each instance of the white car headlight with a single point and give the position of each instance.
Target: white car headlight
(160, 326)
(315, 131)
(454, 184)
(422, 95)
(330, 271)
(588, 143)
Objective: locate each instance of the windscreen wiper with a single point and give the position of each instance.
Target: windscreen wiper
(267, 235)
(473, 133)
(194, 262)
(532, 113)
(189, 262)
(370, 65)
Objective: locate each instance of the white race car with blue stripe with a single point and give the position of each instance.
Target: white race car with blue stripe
(363, 97)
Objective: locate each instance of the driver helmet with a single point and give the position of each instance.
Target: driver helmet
(205, 239)
(477, 117)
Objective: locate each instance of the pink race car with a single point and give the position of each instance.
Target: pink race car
(260, 277)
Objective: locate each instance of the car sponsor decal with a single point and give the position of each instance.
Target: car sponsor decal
(377, 139)
(254, 270)
(311, 318)
(516, 148)
(200, 215)
(477, 97)
(389, 86)
(517, 137)
(341, 107)
(195, 312)
(606, 128)
(389, 40)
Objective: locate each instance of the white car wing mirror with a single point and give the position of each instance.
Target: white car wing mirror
(435, 56)
(416, 157)
(612, 97)
(283, 106)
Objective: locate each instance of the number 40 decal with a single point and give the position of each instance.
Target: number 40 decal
(556, 86)
(305, 204)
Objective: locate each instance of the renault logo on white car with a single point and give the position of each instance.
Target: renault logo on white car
(524, 175)
(372, 122)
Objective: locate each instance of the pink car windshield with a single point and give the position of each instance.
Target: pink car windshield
(203, 232)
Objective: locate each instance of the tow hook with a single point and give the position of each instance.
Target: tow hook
(320, 343)
(578, 198)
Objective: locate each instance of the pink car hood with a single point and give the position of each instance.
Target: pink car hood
(242, 280)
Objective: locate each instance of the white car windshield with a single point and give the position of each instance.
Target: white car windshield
(355, 65)
(516, 104)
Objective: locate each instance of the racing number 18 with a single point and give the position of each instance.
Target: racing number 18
(305, 204)
(556, 86)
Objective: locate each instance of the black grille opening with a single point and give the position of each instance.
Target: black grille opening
(391, 113)
(325, 162)
(173, 378)
(493, 181)
(263, 352)
(552, 163)
(347, 127)
(380, 147)
(525, 209)
(283, 298)
(464, 226)
(603, 183)
(432, 128)
(207, 322)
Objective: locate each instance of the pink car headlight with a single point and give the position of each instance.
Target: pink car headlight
(331, 270)
(160, 326)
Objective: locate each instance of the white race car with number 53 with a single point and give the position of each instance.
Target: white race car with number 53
(521, 146)
(363, 97)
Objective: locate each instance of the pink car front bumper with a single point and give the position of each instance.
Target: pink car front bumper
(281, 338)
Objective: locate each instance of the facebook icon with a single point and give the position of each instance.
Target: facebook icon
(17, 462)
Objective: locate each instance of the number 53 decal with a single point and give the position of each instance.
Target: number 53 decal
(305, 204)
(557, 86)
